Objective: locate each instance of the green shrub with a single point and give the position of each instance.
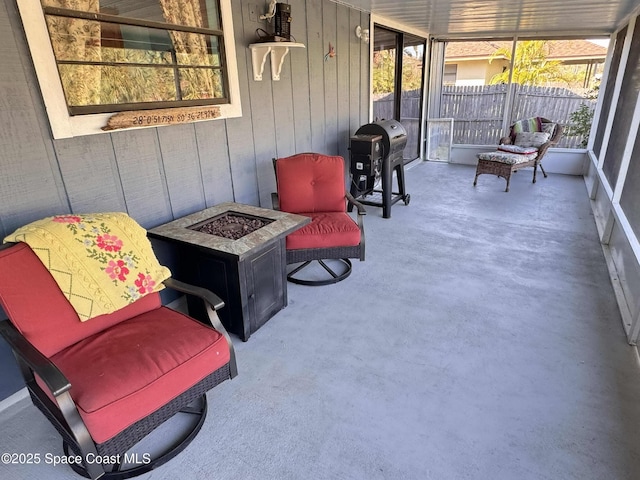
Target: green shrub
(581, 123)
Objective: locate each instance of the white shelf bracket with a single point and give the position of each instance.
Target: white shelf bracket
(278, 51)
(258, 59)
(277, 59)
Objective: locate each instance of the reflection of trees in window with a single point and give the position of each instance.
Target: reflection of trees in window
(104, 62)
(412, 68)
(384, 71)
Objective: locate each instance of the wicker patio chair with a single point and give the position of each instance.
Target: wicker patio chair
(520, 149)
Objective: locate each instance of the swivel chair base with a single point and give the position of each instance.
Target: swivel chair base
(144, 464)
(345, 264)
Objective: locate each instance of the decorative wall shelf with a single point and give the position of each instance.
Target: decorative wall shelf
(278, 51)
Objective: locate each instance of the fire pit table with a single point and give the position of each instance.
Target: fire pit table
(237, 251)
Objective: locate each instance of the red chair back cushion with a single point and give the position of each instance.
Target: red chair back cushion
(310, 182)
(35, 305)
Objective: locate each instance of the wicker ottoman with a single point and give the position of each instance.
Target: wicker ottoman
(503, 164)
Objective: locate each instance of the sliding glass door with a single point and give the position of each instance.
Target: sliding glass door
(398, 68)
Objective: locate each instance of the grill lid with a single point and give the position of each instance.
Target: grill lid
(394, 136)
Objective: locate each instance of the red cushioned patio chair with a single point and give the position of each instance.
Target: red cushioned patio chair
(106, 383)
(313, 184)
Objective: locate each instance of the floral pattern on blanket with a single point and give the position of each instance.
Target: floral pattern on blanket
(102, 262)
(107, 249)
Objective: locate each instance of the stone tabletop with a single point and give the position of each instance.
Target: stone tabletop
(283, 224)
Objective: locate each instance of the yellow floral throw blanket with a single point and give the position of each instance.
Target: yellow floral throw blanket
(102, 262)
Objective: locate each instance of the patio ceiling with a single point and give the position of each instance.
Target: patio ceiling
(464, 18)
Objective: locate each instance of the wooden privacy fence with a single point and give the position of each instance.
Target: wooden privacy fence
(478, 110)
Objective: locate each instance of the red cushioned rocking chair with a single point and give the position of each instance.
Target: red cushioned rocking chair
(108, 382)
(313, 185)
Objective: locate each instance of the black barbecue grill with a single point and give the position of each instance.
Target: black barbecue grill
(376, 151)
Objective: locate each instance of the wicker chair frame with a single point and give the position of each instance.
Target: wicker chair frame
(505, 170)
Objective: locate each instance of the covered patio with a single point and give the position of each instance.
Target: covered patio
(480, 339)
(488, 335)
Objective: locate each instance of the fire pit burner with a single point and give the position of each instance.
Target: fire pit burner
(231, 225)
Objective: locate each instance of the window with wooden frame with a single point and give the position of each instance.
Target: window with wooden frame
(156, 62)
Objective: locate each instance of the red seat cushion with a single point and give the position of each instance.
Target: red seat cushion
(39, 310)
(133, 368)
(310, 182)
(328, 229)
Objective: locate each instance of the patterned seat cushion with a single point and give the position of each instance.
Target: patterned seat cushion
(517, 149)
(506, 157)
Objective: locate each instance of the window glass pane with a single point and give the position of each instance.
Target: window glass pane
(80, 40)
(411, 92)
(200, 83)
(195, 49)
(74, 39)
(113, 85)
(104, 63)
(190, 13)
(384, 73)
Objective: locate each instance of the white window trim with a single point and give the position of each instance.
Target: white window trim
(64, 125)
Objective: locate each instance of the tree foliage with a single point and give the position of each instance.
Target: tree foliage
(384, 71)
(582, 118)
(531, 66)
(581, 123)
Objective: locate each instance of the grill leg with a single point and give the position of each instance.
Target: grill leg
(387, 186)
(400, 176)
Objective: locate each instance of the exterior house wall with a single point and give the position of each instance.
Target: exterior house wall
(159, 174)
(494, 68)
(477, 72)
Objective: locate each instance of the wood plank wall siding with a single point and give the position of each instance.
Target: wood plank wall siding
(159, 174)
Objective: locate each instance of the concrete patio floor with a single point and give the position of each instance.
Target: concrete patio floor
(480, 340)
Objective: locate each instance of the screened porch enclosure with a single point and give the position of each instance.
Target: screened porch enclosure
(487, 85)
